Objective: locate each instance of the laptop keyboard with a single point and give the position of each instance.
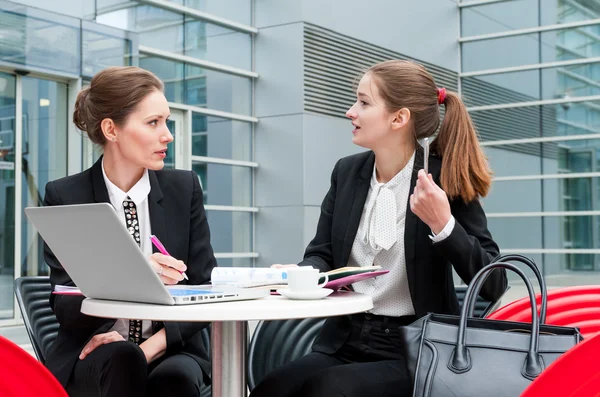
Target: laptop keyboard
(187, 292)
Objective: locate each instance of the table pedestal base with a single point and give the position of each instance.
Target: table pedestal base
(228, 355)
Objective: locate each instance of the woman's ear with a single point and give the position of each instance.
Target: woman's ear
(108, 129)
(401, 119)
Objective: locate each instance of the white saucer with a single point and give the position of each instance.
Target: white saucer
(318, 293)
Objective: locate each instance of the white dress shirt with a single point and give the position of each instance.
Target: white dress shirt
(139, 195)
(380, 241)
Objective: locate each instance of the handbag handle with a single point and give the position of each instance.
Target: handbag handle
(529, 263)
(460, 360)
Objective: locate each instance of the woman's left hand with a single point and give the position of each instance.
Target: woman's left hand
(155, 346)
(430, 203)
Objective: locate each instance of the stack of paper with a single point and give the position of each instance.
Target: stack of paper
(66, 290)
(247, 277)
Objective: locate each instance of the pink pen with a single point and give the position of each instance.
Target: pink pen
(163, 250)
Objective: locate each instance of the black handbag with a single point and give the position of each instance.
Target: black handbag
(450, 356)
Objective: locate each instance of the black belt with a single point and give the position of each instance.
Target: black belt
(384, 321)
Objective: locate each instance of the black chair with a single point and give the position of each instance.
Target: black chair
(278, 342)
(33, 294)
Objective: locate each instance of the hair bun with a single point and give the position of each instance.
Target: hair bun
(80, 114)
(117, 92)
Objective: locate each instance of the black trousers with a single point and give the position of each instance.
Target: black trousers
(120, 369)
(370, 363)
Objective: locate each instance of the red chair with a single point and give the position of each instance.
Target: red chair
(24, 376)
(574, 374)
(571, 307)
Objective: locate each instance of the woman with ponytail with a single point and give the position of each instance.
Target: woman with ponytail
(383, 209)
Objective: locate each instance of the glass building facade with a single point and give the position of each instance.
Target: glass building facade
(202, 50)
(529, 71)
(530, 74)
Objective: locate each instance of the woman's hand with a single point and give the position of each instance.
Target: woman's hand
(155, 346)
(280, 266)
(168, 268)
(98, 340)
(430, 203)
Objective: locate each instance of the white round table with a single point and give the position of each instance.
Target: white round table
(229, 325)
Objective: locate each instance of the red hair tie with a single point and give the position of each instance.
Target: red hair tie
(441, 95)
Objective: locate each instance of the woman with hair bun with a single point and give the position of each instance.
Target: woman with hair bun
(125, 112)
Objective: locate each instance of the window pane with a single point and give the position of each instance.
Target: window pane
(572, 43)
(158, 28)
(236, 10)
(561, 270)
(511, 160)
(514, 196)
(225, 184)
(517, 233)
(573, 118)
(564, 44)
(171, 73)
(216, 90)
(500, 53)
(40, 39)
(230, 231)
(169, 160)
(103, 4)
(45, 118)
(101, 49)
(573, 10)
(200, 87)
(499, 17)
(223, 138)
(545, 158)
(7, 193)
(167, 31)
(522, 14)
(570, 269)
(568, 194)
(218, 44)
(549, 232)
(532, 85)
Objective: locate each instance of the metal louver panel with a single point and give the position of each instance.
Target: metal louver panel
(333, 62)
(515, 123)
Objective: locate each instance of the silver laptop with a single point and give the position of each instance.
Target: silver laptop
(100, 256)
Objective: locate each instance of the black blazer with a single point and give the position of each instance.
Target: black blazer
(177, 218)
(429, 265)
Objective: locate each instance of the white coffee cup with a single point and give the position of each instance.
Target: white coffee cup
(304, 279)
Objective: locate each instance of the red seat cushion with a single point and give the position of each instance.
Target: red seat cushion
(23, 375)
(571, 307)
(573, 374)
